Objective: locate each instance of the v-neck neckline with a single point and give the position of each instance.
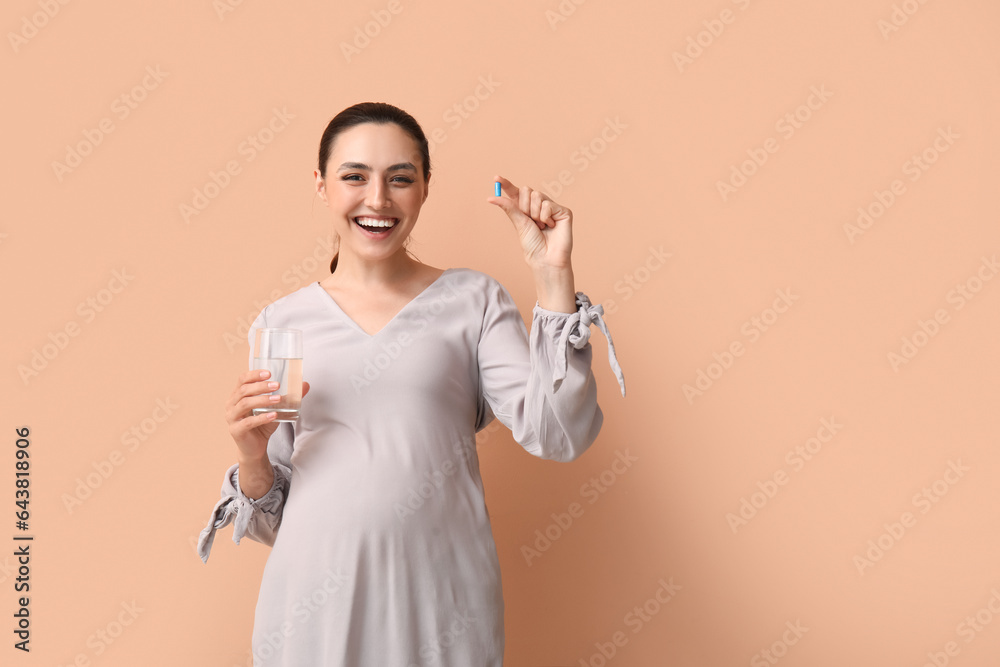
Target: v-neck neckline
(336, 306)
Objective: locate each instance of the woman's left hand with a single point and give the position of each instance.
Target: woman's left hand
(544, 227)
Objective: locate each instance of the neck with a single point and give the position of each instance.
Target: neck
(356, 272)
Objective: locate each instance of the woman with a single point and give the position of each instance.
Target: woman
(385, 554)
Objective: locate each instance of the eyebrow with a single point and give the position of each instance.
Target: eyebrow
(364, 167)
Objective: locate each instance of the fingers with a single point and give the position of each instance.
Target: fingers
(546, 213)
(524, 200)
(539, 208)
(521, 194)
(506, 186)
(242, 410)
(251, 377)
(251, 385)
(529, 202)
(536, 205)
(241, 425)
(251, 392)
(248, 424)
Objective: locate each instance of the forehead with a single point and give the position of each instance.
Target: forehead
(376, 143)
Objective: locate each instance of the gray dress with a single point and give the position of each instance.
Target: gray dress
(382, 551)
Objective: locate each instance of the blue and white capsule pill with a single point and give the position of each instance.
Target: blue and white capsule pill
(496, 188)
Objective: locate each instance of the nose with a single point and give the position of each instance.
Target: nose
(377, 195)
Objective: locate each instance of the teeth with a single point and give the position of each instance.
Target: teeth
(372, 222)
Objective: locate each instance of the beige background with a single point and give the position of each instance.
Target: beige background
(175, 332)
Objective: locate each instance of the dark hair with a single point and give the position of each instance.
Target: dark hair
(371, 112)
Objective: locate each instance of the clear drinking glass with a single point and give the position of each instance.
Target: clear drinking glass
(280, 351)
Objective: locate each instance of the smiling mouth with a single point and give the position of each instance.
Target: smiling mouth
(375, 225)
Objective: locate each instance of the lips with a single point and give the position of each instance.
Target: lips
(376, 227)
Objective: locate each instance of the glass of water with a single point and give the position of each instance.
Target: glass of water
(280, 351)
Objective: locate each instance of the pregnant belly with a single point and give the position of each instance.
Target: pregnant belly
(389, 499)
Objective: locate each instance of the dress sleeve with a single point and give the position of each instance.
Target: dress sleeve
(259, 518)
(542, 387)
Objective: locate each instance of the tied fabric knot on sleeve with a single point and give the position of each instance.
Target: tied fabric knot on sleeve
(577, 333)
(236, 508)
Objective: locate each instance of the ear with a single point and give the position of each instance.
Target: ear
(320, 185)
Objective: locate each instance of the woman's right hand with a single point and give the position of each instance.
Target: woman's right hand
(250, 432)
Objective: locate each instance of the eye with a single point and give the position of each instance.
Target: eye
(350, 177)
(402, 179)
